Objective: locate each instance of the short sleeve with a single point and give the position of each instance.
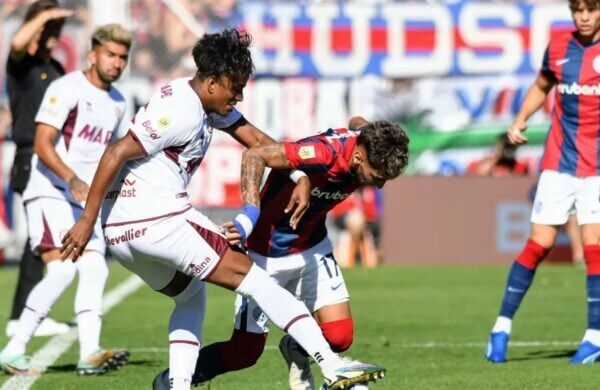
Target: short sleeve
(158, 126)
(310, 154)
(59, 100)
(223, 122)
(546, 70)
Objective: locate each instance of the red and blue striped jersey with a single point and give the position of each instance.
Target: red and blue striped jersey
(325, 158)
(572, 145)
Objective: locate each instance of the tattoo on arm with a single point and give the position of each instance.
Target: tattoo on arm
(253, 168)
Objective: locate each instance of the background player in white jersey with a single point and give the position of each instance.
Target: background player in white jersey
(153, 230)
(79, 113)
(300, 258)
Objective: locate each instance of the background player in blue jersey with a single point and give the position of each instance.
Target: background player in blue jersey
(299, 255)
(570, 178)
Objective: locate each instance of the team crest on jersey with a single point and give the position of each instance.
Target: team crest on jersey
(306, 152)
(596, 64)
(164, 123)
(52, 100)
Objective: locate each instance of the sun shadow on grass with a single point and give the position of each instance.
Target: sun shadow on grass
(546, 354)
(72, 367)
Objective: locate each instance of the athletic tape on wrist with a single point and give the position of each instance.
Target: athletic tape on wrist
(244, 222)
(296, 174)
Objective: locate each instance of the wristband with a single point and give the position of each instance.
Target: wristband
(244, 222)
(296, 174)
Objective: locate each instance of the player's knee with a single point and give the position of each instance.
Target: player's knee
(63, 271)
(339, 334)
(243, 350)
(93, 268)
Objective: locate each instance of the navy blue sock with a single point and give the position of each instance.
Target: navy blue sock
(593, 299)
(519, 280)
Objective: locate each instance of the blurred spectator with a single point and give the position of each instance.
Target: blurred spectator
(5, 233)
(502, 162)
(358, 219)
(223, 14)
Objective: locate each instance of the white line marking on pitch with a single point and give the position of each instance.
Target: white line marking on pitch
(60, 344)
(433, 344)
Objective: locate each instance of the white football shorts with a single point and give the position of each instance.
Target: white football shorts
(155, 249)
(48, 219)
(313, 276)
(561, 194)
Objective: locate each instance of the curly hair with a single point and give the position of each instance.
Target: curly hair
(225, 54)
(387, 147)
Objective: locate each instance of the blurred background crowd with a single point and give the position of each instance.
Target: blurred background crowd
(452, 72)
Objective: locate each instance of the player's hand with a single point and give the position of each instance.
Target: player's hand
(299, 201)
(76, 239)
(79, 189)
(515, 133)
(233, 236)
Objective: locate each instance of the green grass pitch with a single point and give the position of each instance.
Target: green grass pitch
(427, 325)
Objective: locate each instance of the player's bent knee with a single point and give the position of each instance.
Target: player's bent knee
(339, 334)
(243, 350)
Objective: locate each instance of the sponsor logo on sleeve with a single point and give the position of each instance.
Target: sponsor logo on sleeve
(306, 152)
(152, 132)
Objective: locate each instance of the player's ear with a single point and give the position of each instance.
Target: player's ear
(92, 57)
(357, 156)
(211, 84)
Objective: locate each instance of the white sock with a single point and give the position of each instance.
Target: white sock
(503, 324)
(289, 314)
(185, 333)
(58, 277)
(592, 335)
(93, 273)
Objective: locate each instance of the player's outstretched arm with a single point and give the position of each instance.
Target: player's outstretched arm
(248, 135)
(115, 155)
(534, 99)
(251, 137)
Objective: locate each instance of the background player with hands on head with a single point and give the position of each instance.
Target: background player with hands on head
(30, 68)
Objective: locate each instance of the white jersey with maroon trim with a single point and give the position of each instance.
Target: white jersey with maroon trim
(175, 133)
(86, 117)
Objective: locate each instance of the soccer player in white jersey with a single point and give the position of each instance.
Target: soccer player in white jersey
(79, 113)
(150, 226)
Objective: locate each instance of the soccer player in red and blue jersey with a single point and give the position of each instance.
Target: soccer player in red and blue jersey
(299, 254)
(570, 179)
